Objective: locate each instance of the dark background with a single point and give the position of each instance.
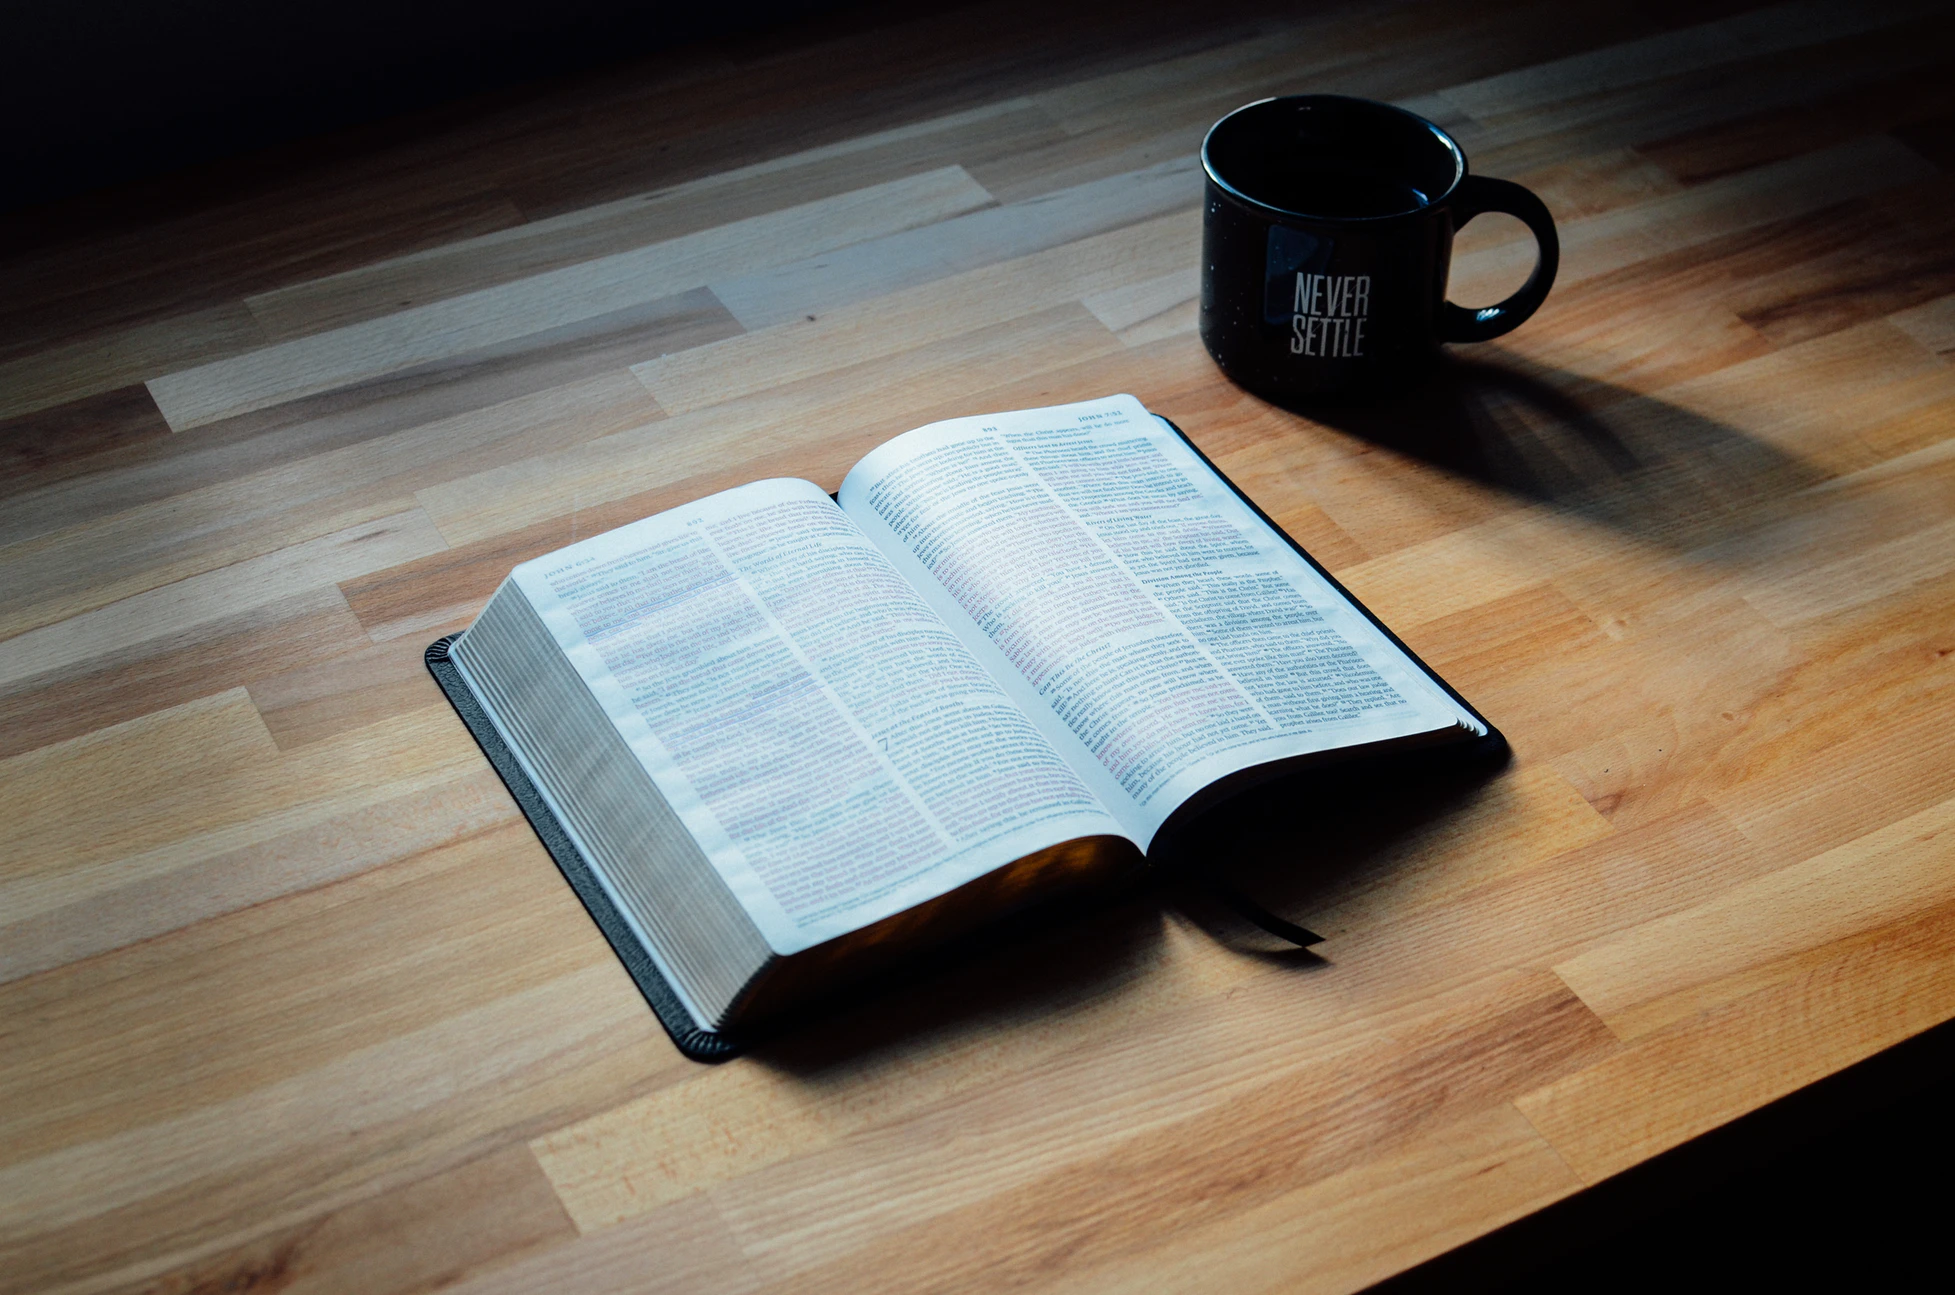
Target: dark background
(1841, 1186)
(94, 92)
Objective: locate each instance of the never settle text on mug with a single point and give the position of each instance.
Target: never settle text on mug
(1326, 240)
(1329, 315)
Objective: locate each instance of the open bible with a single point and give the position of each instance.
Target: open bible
(776, 738)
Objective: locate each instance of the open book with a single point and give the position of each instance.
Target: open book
(777, 738)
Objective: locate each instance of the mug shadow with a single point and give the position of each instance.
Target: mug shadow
(1586, 446)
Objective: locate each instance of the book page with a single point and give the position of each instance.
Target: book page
(833, 746)
(1160, 631)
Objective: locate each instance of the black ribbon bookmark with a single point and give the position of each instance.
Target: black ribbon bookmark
(1250, 911)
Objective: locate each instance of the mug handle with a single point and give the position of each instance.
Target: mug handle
(1477, 194)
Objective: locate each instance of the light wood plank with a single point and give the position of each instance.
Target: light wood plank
(261, 808)
(1877, 572)
(92, 365)
(1082, 269)
(142, 896)
(1771, 929)
(222, 731)
(425, 1233)
(456, 326)
(316, 700)
(1868, 994)
(384, 287)
(1600, 244)
(722, 1124)
(879, 266)
(111, 555)
(1432, 1193)
(1574, 900)
(679, 1248)
(287, 633)
(848, 401)
(1126, 306)
(184, 605)
(1463, 570)
(1157, 1106)
(293, 1165)
(1800, 804)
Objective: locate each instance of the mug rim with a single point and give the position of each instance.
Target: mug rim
(1269, 208)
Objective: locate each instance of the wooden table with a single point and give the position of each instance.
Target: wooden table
(290, 994)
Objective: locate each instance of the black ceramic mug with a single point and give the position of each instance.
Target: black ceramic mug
(1327, 239)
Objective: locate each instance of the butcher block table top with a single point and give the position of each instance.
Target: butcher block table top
(292, 998)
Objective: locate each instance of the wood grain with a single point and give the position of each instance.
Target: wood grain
(450, 269)
(291, 998)
(553, 299)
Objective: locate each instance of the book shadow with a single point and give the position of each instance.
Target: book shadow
(1310, 845)
(1029, 974)
(1299, 845)
(1589, 447)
